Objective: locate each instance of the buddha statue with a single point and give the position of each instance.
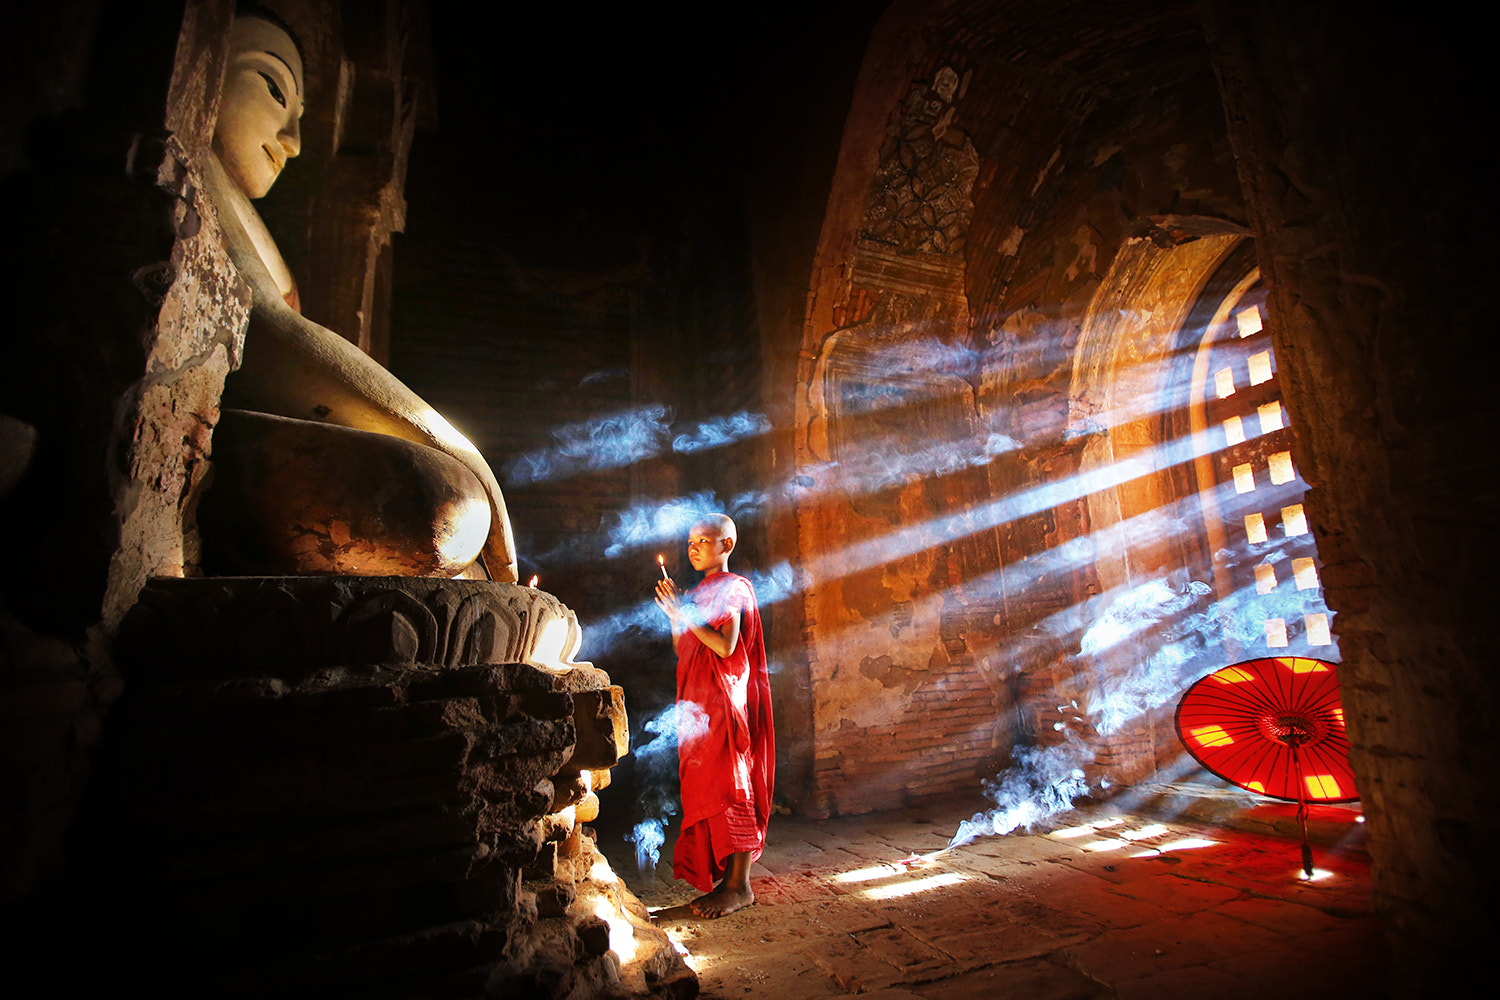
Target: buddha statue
(324, 462)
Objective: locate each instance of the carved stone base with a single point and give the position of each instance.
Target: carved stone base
(372, 787)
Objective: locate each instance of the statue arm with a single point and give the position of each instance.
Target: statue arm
(296, 368)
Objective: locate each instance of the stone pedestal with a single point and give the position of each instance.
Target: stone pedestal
(372, 787)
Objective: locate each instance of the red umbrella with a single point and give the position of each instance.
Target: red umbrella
(1273, 726)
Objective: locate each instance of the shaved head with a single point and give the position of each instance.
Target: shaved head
(719, 524)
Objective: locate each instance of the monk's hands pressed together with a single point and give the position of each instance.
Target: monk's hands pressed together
(668, 598)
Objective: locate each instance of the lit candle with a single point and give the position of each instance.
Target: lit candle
(533, 582)
(663, 564)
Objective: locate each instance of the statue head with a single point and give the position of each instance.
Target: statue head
(260, 105)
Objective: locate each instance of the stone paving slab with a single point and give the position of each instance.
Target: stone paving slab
(1191, 981)
(1036, 979)
(846, 917)
(1345, 960)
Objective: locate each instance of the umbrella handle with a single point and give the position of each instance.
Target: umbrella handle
(1307, 858)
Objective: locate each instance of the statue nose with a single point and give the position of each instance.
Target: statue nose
(290, 138)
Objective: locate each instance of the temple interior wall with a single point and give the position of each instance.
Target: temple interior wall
(958, 241)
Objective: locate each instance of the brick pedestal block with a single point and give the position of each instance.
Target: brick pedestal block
(335, 785)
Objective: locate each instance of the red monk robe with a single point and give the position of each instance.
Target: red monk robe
(728, 771)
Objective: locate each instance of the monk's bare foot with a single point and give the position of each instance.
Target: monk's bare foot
(722, 901)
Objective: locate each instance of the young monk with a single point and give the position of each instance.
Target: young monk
(727, 768)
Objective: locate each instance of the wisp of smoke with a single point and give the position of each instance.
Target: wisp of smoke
(606, 443)
(619, 439)
(719, 431)
(661, 521)
(601, 634)
(648, 836)
(1041, 783)
(1145, 648)
(644, 618)
(775, 584)
(656, 776)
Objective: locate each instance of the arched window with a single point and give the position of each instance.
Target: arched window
(1264, 554)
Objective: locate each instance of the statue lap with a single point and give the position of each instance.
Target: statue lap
(296, 496)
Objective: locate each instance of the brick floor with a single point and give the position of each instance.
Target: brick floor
(1100, 905)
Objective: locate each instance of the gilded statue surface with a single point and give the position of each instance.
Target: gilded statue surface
(324, 461)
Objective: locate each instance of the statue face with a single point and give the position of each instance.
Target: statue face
(260, 106)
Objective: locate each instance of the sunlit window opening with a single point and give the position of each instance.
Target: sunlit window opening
(1276, 632)
(1266, 582)
(1281, 468)
(1234, 430)
(1248, 321)
(1224, 382)
(1293, 521)
(1260, 367)
(1270, 417)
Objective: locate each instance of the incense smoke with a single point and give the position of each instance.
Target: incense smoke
(604, 443)
(1142, 648)
(620, 439)
(1043, 782)
(719, 431)
(1146, 648)
(656, 776)
(658, 522)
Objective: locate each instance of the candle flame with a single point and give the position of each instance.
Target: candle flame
(533, 582)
